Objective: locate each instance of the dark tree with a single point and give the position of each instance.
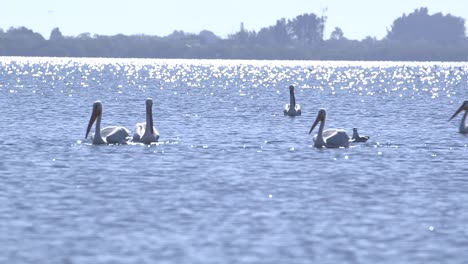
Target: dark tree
(307, 29)
(208, 37)
(21, 42)
(24, 34)
(280, 32)
(176, 35)
(420, 26)
(337, 34)
(56, 34)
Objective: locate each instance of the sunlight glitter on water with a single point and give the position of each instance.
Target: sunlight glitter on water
(225, 149)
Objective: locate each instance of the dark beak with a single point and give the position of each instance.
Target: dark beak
(149, 109)
(317, 120)
(457, 112)
(91, 122)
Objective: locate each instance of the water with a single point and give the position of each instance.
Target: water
(232, 179)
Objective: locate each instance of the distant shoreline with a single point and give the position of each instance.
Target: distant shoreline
(414, 37)
(260, 61)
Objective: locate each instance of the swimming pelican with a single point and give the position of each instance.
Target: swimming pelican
(330, 138)
(292, 109)
(107, 135)
(357, 138)
(463, 125)
(146, 132)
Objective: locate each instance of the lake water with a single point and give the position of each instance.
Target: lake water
(232, 180)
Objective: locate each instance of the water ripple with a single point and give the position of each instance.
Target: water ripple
(232, 179)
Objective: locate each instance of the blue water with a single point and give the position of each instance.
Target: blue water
(232, 179)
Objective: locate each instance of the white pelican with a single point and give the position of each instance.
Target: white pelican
(292, 109)
(330, 138)
(463, 125)
(357, 138)
(107, 135)
(146, 132)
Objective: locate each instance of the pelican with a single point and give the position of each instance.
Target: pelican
(463, 125)
(292, 109)
(107, 135)
(146, 132)
(357, 138)
(330, 138)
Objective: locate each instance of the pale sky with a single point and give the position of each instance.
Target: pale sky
(357, 18)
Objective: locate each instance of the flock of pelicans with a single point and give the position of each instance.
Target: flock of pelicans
(146, 133)
(329, 138)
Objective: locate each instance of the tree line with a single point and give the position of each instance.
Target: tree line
(416, 36)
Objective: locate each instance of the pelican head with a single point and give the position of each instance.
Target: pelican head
(322, 114)
(464, 106)
(149, 102)
(97, 112)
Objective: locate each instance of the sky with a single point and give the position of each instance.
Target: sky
(357, 18)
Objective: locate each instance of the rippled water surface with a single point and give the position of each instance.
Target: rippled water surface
(232, 179)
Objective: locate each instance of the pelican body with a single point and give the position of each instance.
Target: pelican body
(463, 125)
(357, 138)
(292, 109)
(146, 132)
(330, 138)
(107, 135)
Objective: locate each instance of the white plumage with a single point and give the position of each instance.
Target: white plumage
(292, 109)
(330, 138)
(145, 132)
(107, 135)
